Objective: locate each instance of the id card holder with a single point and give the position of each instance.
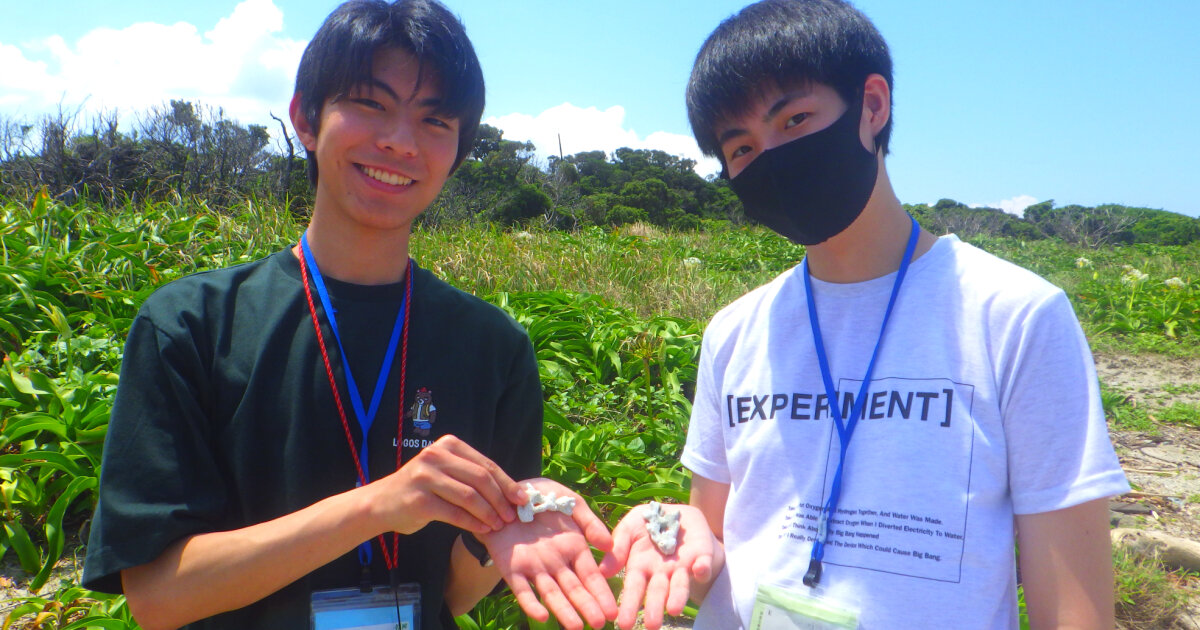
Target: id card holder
(778, 608)
(384, 608)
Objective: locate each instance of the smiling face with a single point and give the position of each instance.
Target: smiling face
(384, 149)
(776, 117)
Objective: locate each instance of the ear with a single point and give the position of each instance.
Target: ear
(877, 110)
(304, 131)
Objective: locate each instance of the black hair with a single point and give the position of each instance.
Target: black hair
(339, 57)
(788, 42)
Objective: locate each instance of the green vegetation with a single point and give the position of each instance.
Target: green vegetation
(1147, 594)
(615, 315)
(183, 150)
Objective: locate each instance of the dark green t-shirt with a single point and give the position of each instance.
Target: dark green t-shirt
(224, 418)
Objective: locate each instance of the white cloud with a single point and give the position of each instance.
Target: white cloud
(592, 129)
(1015, 206)
(242, 64)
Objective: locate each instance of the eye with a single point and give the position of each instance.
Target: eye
(437, 122)
(367, 102)
(740, 151)
(795, 120)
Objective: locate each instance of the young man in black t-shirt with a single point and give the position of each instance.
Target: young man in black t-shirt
(236, 480)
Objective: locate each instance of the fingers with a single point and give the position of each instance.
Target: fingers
(581, 598)
(527, 599)
(496, 487)
(593, 528)
(656, 600)
(449, 499)
(622, 538)
(438, 509)
(596, 585)
(632, 594)
(677, 597)
(702, 568)
(557, 602)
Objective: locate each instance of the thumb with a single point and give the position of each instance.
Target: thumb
(594, 529)
(615, 559)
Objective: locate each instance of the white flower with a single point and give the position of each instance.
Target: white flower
(522, 236)
(1174, 283)
(1082, 262)
(1133, 276)
(691, 261)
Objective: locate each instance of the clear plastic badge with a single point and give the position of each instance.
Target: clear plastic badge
(778, 608)
(384, 608)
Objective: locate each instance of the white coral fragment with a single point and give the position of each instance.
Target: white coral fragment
(663, 526)
(539, 503)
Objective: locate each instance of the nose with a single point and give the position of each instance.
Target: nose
(398, 137)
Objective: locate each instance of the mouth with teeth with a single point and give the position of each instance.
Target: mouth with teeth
(383, 176)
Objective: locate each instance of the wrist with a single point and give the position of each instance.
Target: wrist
(477, 549)
(368, 511)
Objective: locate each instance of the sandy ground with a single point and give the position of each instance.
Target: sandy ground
(1163, 467)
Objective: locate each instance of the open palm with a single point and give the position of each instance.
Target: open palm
(662, 582)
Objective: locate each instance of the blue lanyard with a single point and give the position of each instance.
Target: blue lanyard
(365, 417)
(845, 429)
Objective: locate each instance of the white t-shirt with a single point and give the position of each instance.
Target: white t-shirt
(983, 404)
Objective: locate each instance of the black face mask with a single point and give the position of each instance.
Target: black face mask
(813, 187)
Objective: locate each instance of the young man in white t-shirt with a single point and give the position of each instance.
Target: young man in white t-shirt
(872, 429)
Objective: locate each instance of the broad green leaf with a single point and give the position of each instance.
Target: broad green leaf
(18, 540)
(54, 534)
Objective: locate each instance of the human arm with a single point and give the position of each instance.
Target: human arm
(205, 574)
(552, 553)
(665, 582)
(468, 581)
(1066, 567)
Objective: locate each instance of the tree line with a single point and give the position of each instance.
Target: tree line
(1088, 226)
(186, 150)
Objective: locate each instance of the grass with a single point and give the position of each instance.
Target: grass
(1185, 414)
(615, 317)
(1148, 596)
(644, 270)
(1122, 414)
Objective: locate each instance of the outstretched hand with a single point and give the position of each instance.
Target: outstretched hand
(661, 582)
(552, 552)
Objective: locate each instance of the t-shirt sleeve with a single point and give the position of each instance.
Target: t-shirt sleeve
(1059, 451)
(704, 450)
(159, 481)
(519, 415)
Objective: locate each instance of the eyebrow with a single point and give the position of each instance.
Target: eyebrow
(432, 102)
(788, 97)
(376, 83)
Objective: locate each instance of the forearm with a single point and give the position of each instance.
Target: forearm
(1066, 567)
(710, 497)
(468, 582)
(211, 573)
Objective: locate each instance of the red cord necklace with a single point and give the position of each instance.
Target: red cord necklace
(390, 558)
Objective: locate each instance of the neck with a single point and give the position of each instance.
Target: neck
(873, 245)
(369, 257)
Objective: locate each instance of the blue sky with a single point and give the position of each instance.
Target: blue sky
(997, 103)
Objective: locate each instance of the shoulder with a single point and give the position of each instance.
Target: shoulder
(456, 309)
(195, 290)
(988, 280)
(997, 302)
(195, 308)
(752, 308)
(974, 262)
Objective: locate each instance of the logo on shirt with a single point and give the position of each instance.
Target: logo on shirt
(422, 412)
(932, 401)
